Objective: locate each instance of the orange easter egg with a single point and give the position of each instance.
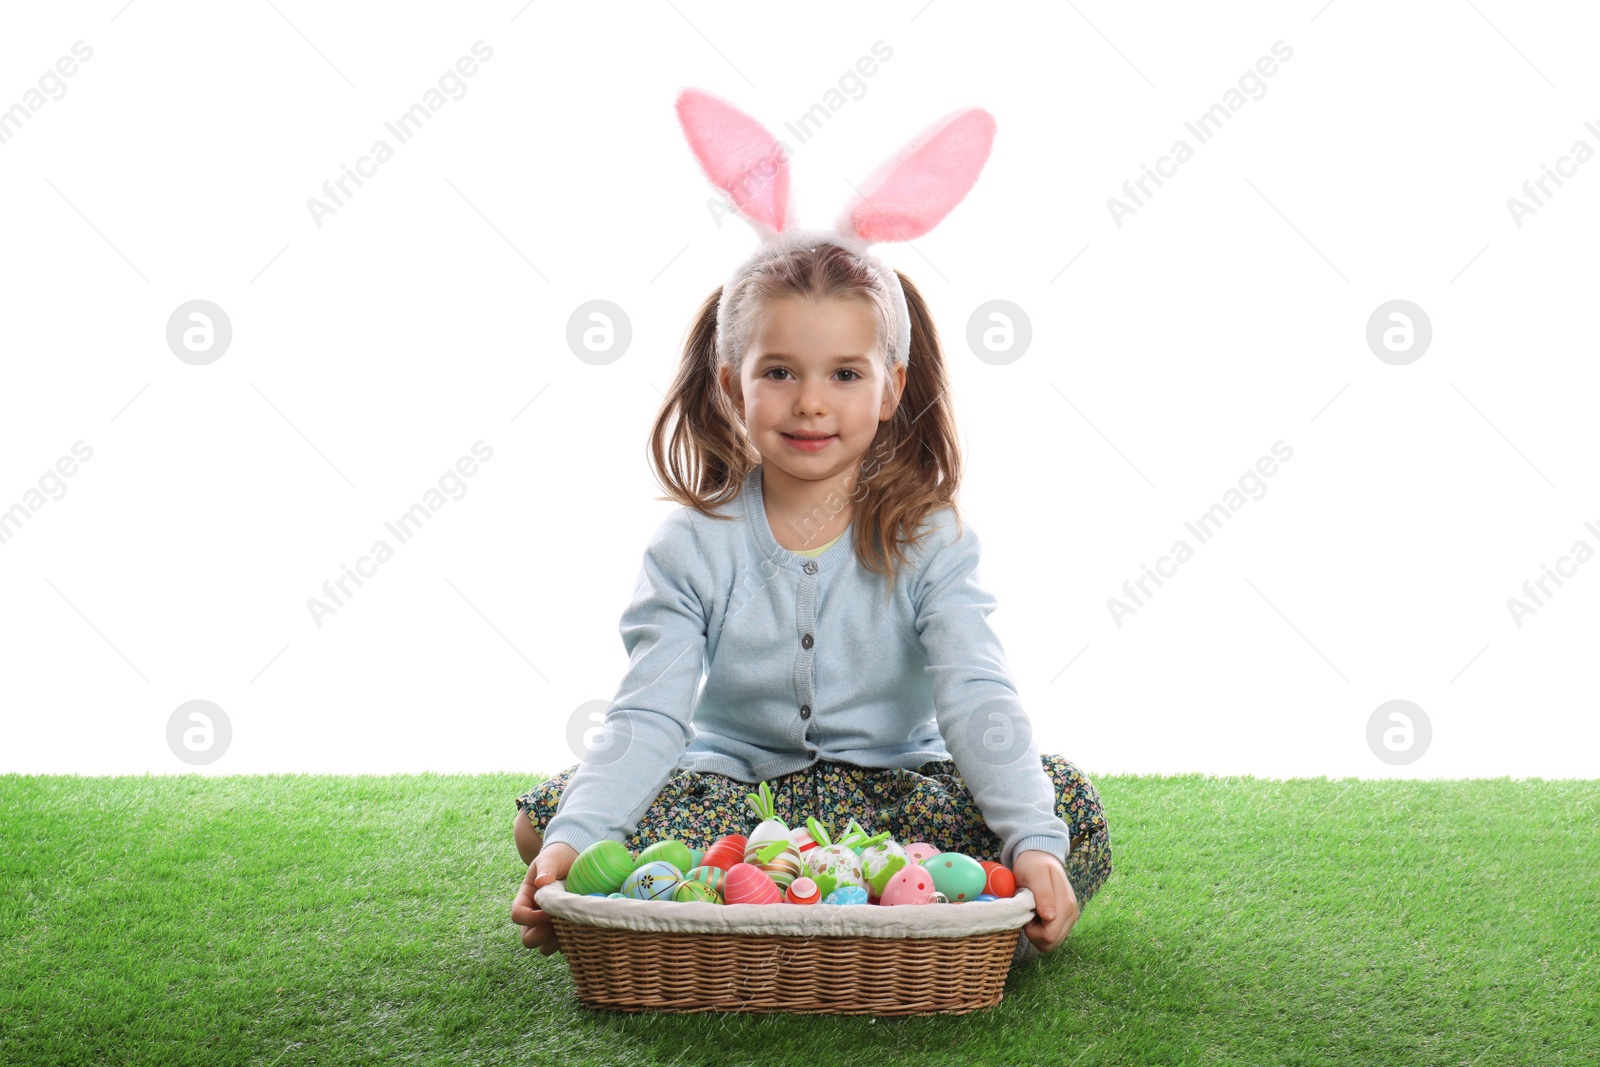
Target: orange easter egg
(724, 852)
(1001, 882)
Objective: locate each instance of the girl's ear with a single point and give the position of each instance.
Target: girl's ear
(740, 157)
(893, 394)
(918, 186)
(729, 385)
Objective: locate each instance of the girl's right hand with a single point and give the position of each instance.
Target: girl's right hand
(552, 862)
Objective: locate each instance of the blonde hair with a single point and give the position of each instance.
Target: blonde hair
(701, 455)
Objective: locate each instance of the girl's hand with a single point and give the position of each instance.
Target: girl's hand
(1054, 903)
(552, 862)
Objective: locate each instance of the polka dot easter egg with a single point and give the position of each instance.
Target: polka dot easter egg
(658, 880)
(960, 878)
(802, 891)
(911, 884)
(916, 852)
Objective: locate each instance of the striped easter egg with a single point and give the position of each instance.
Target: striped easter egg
(782, 868)
(600, 868)
(714, 877)
(674, 852)
(696, 891)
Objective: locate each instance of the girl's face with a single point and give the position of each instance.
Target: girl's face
(813, 370)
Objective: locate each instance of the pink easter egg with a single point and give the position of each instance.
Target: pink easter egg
(920, 852)
(747, 884)
(911, 884)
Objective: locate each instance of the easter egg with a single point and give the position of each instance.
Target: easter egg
(846, 894)
(803, 841)
(672, 851)
(957, 876)
(597, 894)
(695, 856)
(616, 896)
(987, 896)
(766, 833)
(749, 885)
(802, 891)
(1001, 882)
(911, 884)
(656, 880)
(778, 859)
(920, 852)
(724, 852)
(713, 877)
(696, 891)
(833, 866)
(600, 868)
(880, 862)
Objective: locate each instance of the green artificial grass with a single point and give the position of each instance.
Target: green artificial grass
(289, 920)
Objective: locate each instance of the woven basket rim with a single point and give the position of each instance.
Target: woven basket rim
(811, 920)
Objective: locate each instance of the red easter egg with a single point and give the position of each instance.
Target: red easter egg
(724, 852)
(747, 884)
(802, 891)
(1001, 882)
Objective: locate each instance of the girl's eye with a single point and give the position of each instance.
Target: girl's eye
(854, 374)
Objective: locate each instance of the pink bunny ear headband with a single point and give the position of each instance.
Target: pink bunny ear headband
(902, 200)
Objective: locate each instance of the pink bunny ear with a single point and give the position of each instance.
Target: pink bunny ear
(739, 156)
(908, 195)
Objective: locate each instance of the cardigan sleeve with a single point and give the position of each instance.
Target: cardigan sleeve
(984, 726)
(648, 724)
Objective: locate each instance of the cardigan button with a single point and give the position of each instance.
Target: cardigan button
(806, 641)
(805, 711)
(810, 567)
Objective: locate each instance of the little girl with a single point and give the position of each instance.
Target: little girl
(811, 614)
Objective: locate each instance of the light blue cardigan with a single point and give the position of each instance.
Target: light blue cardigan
(807, 658)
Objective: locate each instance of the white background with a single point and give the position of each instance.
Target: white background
(429, 312)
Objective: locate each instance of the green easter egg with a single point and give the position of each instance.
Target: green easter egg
(688, 891)
(669, 850)
(600, 868)
(713, 877)
(958, 877)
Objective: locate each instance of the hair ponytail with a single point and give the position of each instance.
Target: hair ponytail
(697, 447)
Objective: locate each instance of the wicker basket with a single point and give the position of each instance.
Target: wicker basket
(637, 955)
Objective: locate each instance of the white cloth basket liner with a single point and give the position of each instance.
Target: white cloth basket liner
(801, 920)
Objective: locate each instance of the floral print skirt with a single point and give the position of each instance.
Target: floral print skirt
(929, 804)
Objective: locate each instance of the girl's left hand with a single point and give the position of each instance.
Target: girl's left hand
(1054, 903)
